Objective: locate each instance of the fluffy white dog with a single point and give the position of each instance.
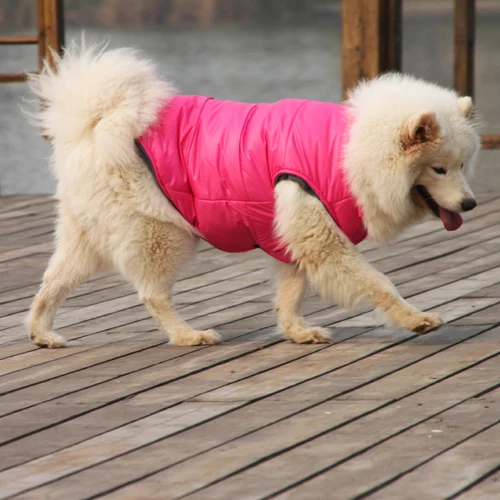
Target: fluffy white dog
(138, 202)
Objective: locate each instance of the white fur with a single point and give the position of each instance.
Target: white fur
(381, 109)
(112, 215)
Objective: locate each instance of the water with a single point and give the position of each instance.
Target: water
(261, 64)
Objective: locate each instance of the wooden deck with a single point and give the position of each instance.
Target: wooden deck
(380, 414)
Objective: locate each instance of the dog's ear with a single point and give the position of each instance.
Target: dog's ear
(421, 128)
(465, 105)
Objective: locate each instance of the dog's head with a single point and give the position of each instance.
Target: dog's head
(441, 153)
(412, 145)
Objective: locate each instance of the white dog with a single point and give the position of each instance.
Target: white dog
(143, 174)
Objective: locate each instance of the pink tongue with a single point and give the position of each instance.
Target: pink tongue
(451, 220)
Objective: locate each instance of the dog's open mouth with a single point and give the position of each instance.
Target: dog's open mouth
(451, 220)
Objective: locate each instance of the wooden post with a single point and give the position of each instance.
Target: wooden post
(393, 30)
(465, 21)
(50, 28)
(50, 15)
(371, 39)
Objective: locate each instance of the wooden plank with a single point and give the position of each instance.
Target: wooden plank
(70, 317)
(459, 310)
(127, 410)
(21, 217)
(414, 447)
(464, 26)
(489, 291)
(12, 77)
(8, 203)
(485, 316)
(90, 286)
(487, 489)
(443, 267)
(6, 200)
(348, 410)
(114, 393)
(247, 418)
(122, 440)
(299, 454)
(17, 246)
(349, 352)
(451, 472)
(143, 371)
(14, 217)
(446, 248)
(68, 361)
(33, 237)
(448, 269)
(24, 235)
(91, 332)
(18, 226)
(18, 40)
(330, 449)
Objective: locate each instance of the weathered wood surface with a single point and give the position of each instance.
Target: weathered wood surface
(379, 414)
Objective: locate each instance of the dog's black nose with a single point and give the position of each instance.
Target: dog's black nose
(468, 204)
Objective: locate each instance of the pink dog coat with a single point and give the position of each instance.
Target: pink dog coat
(218, 162)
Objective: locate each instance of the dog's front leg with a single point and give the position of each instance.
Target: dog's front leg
(333, 264)
(291, 287)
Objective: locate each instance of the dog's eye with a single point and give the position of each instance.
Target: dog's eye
(440, 171)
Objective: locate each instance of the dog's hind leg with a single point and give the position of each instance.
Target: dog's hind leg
(292, 284)
(333, 264)
(73, 261)
(154, 253)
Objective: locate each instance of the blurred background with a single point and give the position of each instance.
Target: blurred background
(247, 50)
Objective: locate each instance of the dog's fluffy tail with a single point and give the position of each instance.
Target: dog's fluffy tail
(103, 99)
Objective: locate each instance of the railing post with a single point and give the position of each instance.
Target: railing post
(393, 29)
(465, 23)
(371, 39)
(50, 28)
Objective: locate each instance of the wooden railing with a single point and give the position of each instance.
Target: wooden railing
(50, 20)
(371, 44)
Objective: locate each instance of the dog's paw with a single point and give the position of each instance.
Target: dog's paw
(196, 337)
(314, 335)
(423, 323)
(50, 340)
